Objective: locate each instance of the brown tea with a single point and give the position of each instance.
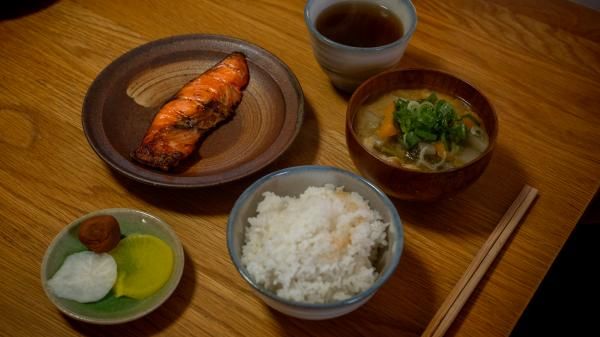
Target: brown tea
(359, 24)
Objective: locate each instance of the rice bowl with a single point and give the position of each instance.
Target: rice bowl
(294, 181)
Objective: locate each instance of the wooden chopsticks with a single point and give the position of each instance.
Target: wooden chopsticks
(448, 311)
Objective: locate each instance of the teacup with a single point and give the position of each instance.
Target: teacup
(348, 66)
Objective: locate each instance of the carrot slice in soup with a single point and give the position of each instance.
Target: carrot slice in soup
(387, 128)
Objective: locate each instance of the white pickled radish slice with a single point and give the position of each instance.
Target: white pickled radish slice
(84, 277)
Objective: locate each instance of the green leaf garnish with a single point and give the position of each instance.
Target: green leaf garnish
(411, 139)
(432, 98)
(429, 120)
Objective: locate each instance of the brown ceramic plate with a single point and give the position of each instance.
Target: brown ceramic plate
(124, 98)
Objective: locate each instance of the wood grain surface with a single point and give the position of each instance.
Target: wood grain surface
(538, 63)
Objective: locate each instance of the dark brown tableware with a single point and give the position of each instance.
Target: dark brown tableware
(410, 184)
(124, 98)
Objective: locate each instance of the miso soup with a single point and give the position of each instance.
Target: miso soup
(421, 130)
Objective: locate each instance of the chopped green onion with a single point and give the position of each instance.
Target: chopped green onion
(432, 98)
(411, 139)
(429, 120)
(426, 135)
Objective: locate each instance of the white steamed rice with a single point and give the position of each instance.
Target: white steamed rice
(316, 248)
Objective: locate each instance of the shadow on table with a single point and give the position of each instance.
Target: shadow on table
(218, 200)
(213, 200)
(412, 58)
(477, 292)
(395, 310)
(155, 321)
(342, 94)
(12, 9)
(558, 307)
(485, 201)
(418, 58)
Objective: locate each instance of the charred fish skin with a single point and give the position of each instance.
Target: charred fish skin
(198, 107)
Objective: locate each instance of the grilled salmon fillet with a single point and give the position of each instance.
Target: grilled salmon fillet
(198, 107)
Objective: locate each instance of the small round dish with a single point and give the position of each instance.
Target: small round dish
(292, 182)
(409, 184)
(122, 101)
(112, 310)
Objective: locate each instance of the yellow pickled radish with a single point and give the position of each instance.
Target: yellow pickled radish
(144, 265)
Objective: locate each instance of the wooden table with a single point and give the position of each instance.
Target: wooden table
(539, 64)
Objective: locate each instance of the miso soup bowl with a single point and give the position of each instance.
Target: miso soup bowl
(410, 184)
(292, 182)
